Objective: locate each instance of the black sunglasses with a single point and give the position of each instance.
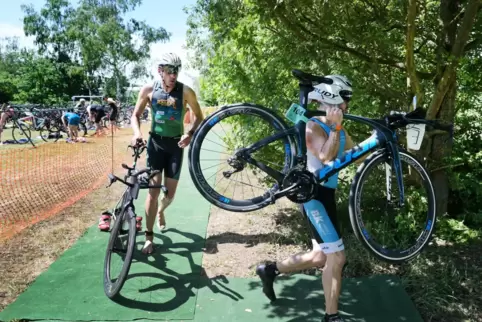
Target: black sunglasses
(170, 69)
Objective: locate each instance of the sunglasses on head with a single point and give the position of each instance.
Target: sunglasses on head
(170, 69)
(346, 95)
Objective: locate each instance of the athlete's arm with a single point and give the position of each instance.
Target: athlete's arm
(142, 100)
(319, 144)
(196, 113)
(64, 119)
(89, 113)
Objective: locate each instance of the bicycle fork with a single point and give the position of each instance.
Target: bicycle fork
(396, 164)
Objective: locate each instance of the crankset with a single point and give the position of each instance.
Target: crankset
(305, 188)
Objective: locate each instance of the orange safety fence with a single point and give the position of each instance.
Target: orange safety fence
(38, 182)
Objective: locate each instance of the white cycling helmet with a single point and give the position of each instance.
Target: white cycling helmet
(338, 92)
(170, 59)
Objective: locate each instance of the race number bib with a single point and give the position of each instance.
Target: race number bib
(296, 114)
(415, 134)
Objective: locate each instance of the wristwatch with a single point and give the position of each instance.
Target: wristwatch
(190, 133)
(336, 127)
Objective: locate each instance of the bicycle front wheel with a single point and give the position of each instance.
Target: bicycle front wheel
(227, 181)
(393, 233)
(120, 250)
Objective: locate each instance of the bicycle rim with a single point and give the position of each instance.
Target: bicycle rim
(421, 229)
(120, 246)
(206, 180)
(20, 132)
(44, 133)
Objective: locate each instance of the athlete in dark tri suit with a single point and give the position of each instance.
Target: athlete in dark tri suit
(96, 113)
(114, 111)
(167, 137)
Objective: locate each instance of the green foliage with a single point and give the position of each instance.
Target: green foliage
(247, 49)
(456, 231)
(79, 51)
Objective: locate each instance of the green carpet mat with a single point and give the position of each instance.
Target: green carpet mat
(161, 286)
(300, 299)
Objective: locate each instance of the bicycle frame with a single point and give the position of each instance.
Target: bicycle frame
(384, 137)
(132, 181)
(30, 116)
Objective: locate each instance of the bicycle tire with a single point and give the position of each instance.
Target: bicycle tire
(25, 129)
(387, 255)
(112, 289)
(57, 131)
(194, 153)
(44, 131)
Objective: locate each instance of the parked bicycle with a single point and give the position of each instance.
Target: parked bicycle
(123, 232)
(295, 182)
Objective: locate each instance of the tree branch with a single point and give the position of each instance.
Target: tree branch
(295, 26)
(473, 44)
(410, 58)
(457, 50)
(417, 51)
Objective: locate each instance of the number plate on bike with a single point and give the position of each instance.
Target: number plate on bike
(296, 114)
(415, 134)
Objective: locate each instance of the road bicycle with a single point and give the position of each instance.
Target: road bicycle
(123, 232)
(20, 130)
(299, 185)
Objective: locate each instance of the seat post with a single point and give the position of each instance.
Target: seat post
(304, 90)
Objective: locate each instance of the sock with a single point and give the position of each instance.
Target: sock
(329, 316)
(273, 268)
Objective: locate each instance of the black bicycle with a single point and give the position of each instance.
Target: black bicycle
(291, 178)
(123, 234)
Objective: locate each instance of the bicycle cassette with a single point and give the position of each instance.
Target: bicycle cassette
(305, 190)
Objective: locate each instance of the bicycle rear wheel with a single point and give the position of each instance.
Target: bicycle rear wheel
(120, 247)
(393, 238)
(21, 133)
(210, 171)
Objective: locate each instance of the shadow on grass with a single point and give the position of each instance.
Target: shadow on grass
(442, 282)
(376, 298)
(166, 278)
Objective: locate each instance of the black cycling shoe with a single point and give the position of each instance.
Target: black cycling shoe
(332, 318)
(267, 273)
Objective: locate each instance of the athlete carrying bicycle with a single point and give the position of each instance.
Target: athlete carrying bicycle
(326, 140)
(167, 137)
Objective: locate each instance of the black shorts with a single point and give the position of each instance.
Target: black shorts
(323, 222)
(113, 115)
(99, 115)
(165, 155)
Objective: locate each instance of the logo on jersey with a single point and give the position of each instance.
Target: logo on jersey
(171, 101)
(316, 216)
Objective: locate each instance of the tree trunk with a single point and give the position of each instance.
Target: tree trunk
(441, 148)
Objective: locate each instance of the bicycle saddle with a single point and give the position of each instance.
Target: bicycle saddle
(310, 78)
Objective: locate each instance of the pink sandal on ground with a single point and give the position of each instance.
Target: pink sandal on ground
(104, 221)
(139, 223)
